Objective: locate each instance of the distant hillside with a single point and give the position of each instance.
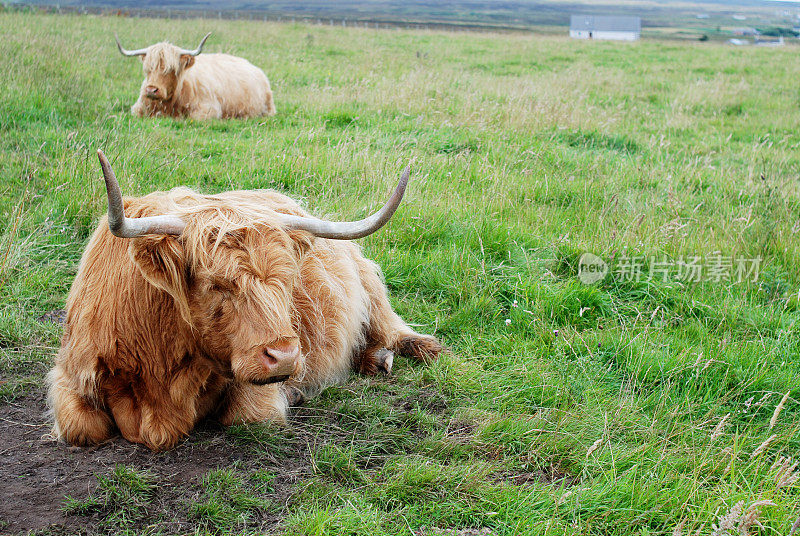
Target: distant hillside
(512, 13)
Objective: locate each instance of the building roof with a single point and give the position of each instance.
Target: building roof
(599, 23)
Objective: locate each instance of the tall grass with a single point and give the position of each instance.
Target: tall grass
(657, 399)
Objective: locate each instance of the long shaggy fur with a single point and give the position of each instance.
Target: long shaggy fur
(208, 86)
(162, 331)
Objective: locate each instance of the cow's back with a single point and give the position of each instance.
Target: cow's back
(237, 85)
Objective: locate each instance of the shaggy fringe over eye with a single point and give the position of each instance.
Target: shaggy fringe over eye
(240, 241)
(162, 57)
(248, 228)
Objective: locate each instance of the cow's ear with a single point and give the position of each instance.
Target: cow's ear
(187, 60)
(162, 262)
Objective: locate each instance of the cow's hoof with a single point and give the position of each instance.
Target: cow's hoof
(420, 347)
(374, 361)
(384, 359)
(294, 396)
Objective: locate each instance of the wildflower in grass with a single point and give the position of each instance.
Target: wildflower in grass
(508, 321)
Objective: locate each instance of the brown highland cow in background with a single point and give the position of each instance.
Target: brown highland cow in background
(182, 83)
(234, 305)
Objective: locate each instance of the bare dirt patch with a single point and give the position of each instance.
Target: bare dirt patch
(427, 398)
(56, 316)
(37, 472)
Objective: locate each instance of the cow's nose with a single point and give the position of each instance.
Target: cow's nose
(151, 91)
(279, 359)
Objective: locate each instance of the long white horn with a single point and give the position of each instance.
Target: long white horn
(132, 227)
(198, 50)
(125, 52)
(349, 230)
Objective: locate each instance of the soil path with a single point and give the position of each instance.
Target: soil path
(37, 472)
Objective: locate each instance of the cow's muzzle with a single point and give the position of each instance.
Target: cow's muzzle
(278, 361)
(152, 92)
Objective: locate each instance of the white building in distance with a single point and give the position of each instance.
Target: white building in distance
(605, 27)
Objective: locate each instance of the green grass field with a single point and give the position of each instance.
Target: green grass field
(656, 406)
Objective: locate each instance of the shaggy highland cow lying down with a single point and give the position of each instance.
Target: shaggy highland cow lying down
(180, 83)
(233, 305)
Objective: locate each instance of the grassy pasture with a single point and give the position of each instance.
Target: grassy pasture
(623, 407)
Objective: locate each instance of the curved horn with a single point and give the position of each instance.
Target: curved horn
(198, 50)
(132, 227)
(125, 52)
(349, 230)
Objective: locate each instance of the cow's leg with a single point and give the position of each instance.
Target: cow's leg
(210, 110)
(386, 328)
(269, 104)
(78, 420)
(375, 359)
(139, 109)
(127, 415)
(248, 402)
(159, 414)
(159, 425)
(164, 425)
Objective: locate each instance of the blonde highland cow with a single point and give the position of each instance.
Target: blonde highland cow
(182, 83)
(234, 305)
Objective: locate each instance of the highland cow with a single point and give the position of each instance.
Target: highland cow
(182, 83)
(234, 305)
